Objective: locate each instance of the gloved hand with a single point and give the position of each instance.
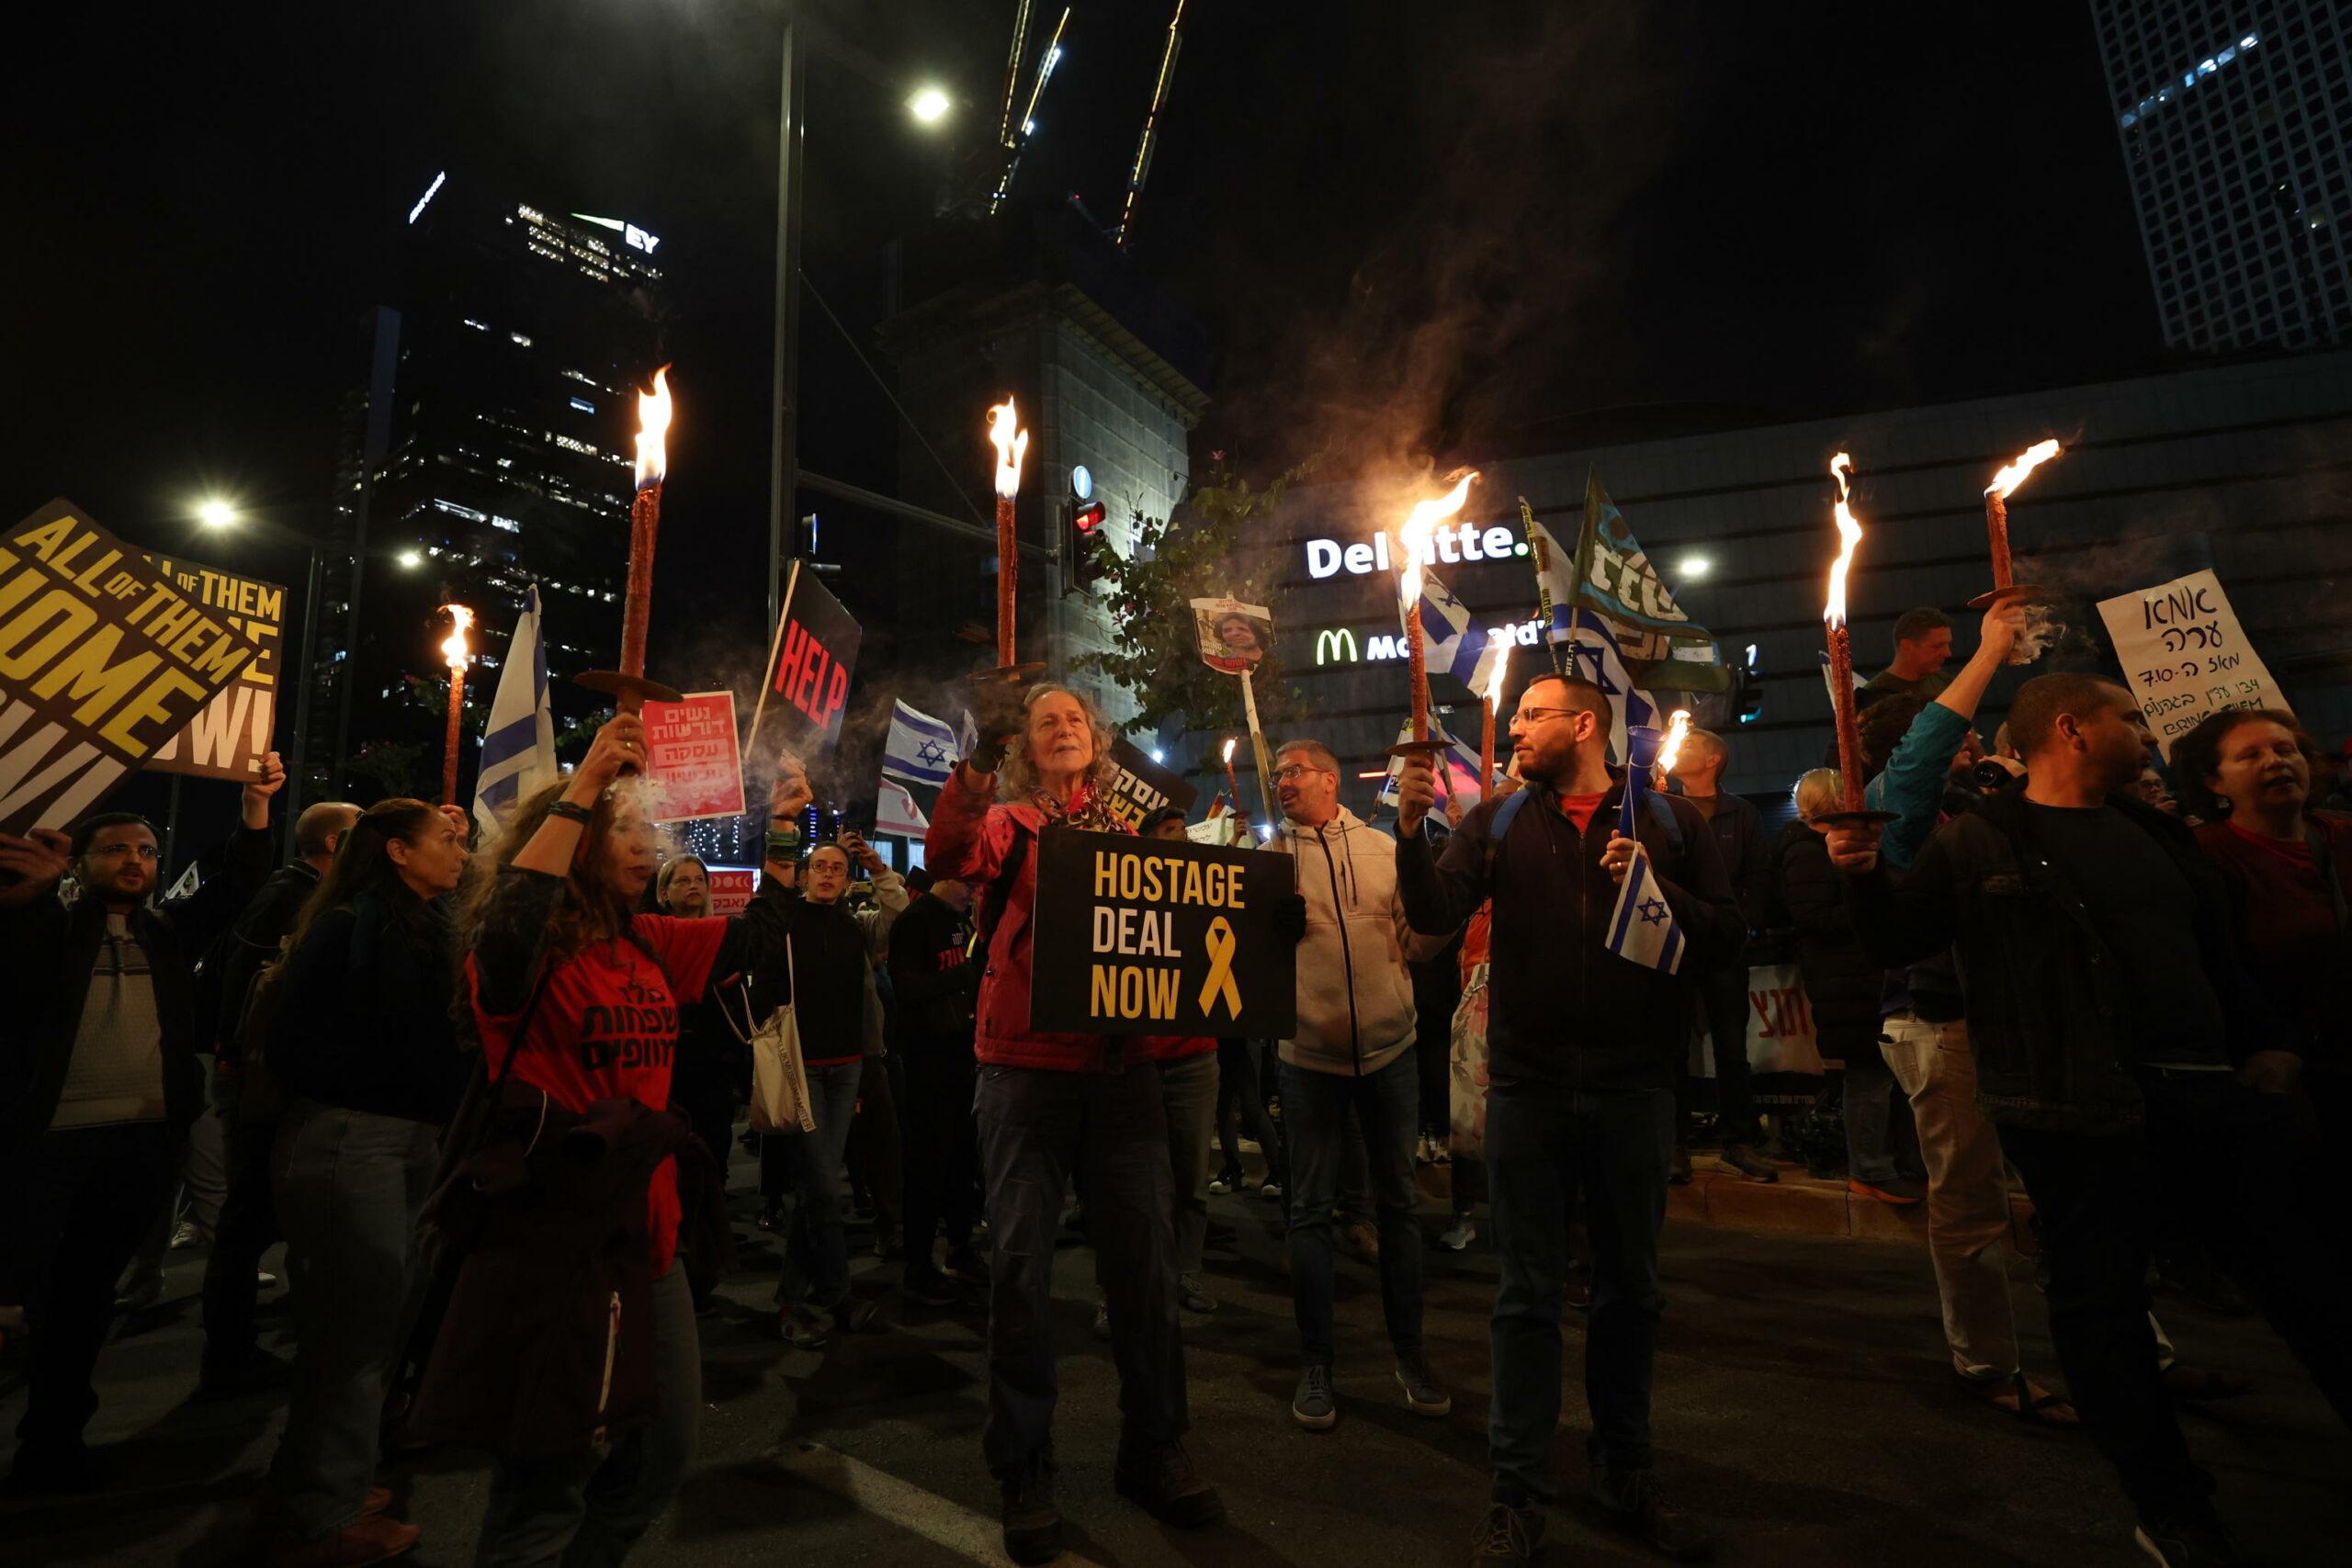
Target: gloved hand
(1290, 915)
(998, 715)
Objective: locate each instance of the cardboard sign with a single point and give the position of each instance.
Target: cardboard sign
(229, 735)
(690, 755)
(1781, 1037)
(1147, 936)
(103, 660)
(2186, 656)
(806, 688)
(1142, 786)
(732, 890)
(1234, 637)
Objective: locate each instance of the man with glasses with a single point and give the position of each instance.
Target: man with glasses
(1583, 1049)
(99, 1079)
(1351, 1057)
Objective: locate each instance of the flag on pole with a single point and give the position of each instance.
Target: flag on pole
(1593, 653)
(1642, 928)
(1612, 578)
(518, 744)
(921, 749)
(1451, 640)
(895, 811)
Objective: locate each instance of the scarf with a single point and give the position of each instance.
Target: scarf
(1088, 808)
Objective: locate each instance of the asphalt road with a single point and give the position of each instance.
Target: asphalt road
(1801, 1400)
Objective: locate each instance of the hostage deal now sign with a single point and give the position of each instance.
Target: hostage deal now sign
(1149, 936)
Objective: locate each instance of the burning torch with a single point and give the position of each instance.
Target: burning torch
(1012, 445)
(1490, 703)
(1232, 785)
(628, 686)
(1996, 523)
(1841, 660)
(1411, 540)
(454, 653)
(1677, 729)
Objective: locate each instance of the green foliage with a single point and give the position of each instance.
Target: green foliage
(1198, 554)
(391, 763)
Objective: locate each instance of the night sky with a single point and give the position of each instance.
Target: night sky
(1411, 231)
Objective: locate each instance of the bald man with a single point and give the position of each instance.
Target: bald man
(233, 1359)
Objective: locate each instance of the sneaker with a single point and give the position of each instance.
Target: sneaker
(371, 1538)
(931, 1288)
(1313, 1406)
(801, 1328)
(1422, 1396)
(1271, 1191)
(2185, 1543)
(966, 1265)
(851, 1316)
(1102, 1320)
(263, 1280)
(1421, 1149)
(1160, 1480)
(1361, 1240)
(1899, 1190)
(1748, 1163)
(184, 1234)
(1441, 1151)
(1507, 1535)
(1635, 1502)
(1678, 1170)
(1189, 1297)
(1221, 1184)
(1457, 1236)
(1032, 1526)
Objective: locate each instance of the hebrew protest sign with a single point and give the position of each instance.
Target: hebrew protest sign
(228, 736)
(731, 889)
(2185, 655)
(1234, 637)
(1148, 936)
(806, 688)
(103, 660)
(691, 758)
(1142, 786)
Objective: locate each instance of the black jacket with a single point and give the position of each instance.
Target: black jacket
(1748, 855)
(1842, 985)
(2044, 1008)
(936, 982)
(829, 963)
(362, 1020)
(46, 954)
(252, 942)
(1567, 1013)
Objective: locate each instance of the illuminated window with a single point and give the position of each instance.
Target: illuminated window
(476, 325)
(519, 338)
(583, 405)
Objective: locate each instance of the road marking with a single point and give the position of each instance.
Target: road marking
(940, 1520)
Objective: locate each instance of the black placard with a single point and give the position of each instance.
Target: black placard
(1142, 786)
(1151, 936)
(806, 688)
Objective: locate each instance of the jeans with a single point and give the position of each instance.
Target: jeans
(1722, 999)
(941, 1153)
(197, 1196)
(1241, 1108)
(1869, 1107)
(81, 1202)
(873, 1153)
(348, 1186)
(2218, 1154)
(585, 1510)
(1543, 1148)
(1968, 1190)
(816, 1252)
(247, 1228)
(1039, 1129)
(1188, 1100)
(1316, 1107)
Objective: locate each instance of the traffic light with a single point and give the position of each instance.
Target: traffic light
(804, 546)
(1747, 691)
(1083, 514)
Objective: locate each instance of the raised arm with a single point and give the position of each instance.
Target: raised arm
(1439, 891)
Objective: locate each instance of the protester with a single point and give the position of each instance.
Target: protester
(1051, 1106)
(1582, 1056)
(2119, 1048)
(1738, 828)
(100, 1074)
(1922, 648)
(1352, 1054)
(872, 1154)
(361, 1035)
(938, 986)
(575, 1000)
(249, 1103)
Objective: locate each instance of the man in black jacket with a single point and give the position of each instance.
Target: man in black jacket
(2124, 1058)
(1582, 1048)
(937, 985)
(99, 1077)
(248, 1225)
(1746, 850)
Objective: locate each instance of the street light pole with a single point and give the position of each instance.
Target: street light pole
(302, 694)
(783, 449)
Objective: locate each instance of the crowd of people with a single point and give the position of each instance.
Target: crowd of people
(487, 1094)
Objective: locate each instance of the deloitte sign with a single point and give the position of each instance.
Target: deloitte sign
(1448, 547)
(1338, 645)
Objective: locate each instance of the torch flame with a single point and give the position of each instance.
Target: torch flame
(1228, 748)
(452, 646)
(1410, 538)
(1849, 534)
(1677, 728)
(2005, 482)
(652, 428)
(1011, 447)
(1495, 676)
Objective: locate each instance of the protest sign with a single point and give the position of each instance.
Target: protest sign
(1147, 936)
(103, 660)
(1142, 786)
(691, 758)
(1781, 1037)
(731, 889)
(229, 735)
(805, 687)
(2185, 655)
(1234, 637)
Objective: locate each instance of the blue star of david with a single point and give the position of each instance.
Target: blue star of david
(1652, 911)
(931, 751)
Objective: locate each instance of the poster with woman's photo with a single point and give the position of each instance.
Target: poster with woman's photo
(1234, 637)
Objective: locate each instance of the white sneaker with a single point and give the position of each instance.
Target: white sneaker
(1457, 1236)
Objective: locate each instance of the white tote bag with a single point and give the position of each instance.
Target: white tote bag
(1467, 1099)
(779, 1080)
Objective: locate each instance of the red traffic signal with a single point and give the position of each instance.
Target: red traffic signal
(1087, 516)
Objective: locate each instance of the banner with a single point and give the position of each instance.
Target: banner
(690, 757)
(1781, 1037)
(103, 660)
(228, 736)
(805, 687)
(1142, 786)
(731, 889)
(1613, 576)
(1234, 637)
(2185, 655)
(1148, 936)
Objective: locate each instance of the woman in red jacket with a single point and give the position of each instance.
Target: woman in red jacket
(1056, 1106)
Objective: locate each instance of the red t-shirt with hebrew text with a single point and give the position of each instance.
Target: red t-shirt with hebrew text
(606, 1028)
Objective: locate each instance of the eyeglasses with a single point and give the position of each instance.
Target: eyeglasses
(1297, 770)
(1533, 717)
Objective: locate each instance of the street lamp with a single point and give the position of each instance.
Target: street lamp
(929, 106)
(216, 513)
(409, 560)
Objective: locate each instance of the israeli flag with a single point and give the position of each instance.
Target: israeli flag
(895, 811)
(1642, 928)
(518, 745)
(1451, 640)
(1593, 653)
(920, 750)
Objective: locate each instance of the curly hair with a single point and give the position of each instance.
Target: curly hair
(2197, 756)
(1016, 779)
(590, 908)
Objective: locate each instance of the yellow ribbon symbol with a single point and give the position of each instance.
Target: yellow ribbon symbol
(1220, 944)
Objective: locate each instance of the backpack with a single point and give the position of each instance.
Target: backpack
(261, 1095)
(1509, 809)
